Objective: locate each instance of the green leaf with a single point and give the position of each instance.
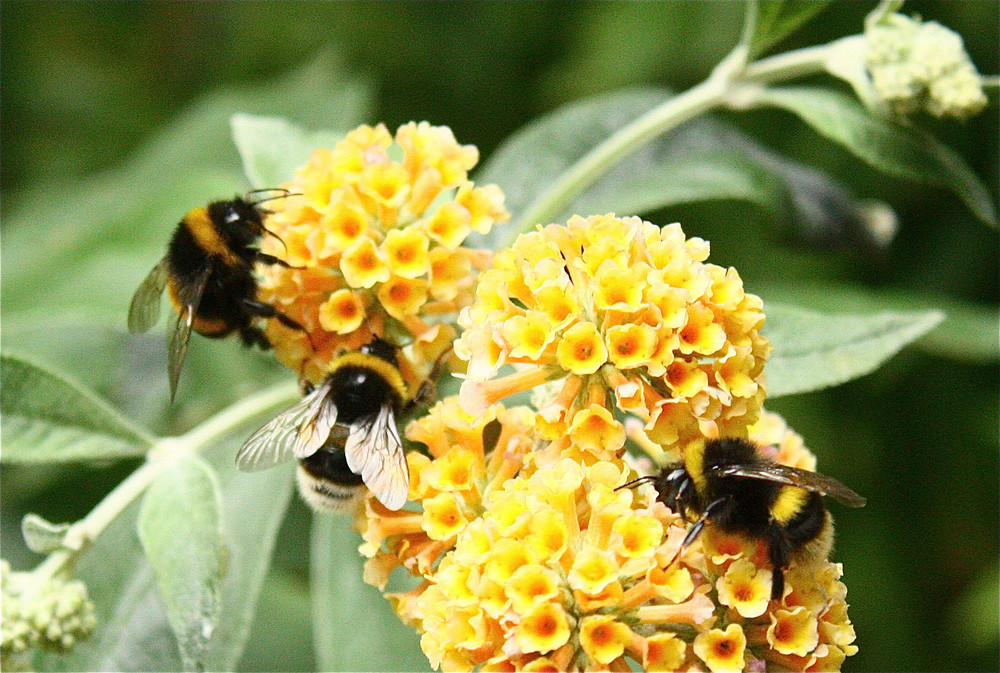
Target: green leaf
(41, 536)
(254, 505)
(815, 350)
(770, 21)
(905, 152)
(702, 160)
(180, 526)
(970, 332)
(133, 631)
(354, 626)
(273, 147)
(47, 418)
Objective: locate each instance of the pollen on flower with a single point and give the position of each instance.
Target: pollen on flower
(628, 306)
(357, 219)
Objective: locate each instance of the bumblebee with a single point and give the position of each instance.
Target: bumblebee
(727, 483)
(325, 480)
(208, 273)
(353, 411)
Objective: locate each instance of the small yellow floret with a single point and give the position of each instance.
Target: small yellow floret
(582, 351)
(722, 650)
(603, 638)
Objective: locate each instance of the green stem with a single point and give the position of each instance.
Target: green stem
(714, 92)
(83, 532)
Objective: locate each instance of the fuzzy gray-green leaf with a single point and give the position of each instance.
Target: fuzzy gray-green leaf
(180, 526)
(273, 147)
(770, 21)
(815, 350)
(702, 160)
(41, 536)
(905, 152)
(50, 418)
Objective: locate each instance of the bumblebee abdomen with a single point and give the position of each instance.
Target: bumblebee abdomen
(331, 466)
(808, 522)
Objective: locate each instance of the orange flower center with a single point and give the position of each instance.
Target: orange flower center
(783, 631)
(725, 648)
(602, 635)
(399, 292)
(546, 625)
(626, 347)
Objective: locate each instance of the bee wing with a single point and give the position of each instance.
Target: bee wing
(317, 423)
(180, 332)
(275, 442)
(783, 474)
(375, 451)
(144, 311)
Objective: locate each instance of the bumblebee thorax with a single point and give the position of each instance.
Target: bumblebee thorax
(362, 384)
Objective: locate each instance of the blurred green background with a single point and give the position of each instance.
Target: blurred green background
(114, 123)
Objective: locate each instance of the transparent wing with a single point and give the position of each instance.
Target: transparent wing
(375, 451)
(275, 442)
(318, 422)
(144, 311)
(180, 332)
(783, 474)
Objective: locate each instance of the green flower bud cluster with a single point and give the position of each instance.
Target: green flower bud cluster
(53, 616)
(917, 65)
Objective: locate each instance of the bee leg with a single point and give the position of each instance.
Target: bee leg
(778, 553)
(254, 337)
(271, 259)
(427, 391)
(698, 527)
(262, 310)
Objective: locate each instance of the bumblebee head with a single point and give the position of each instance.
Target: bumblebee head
(238, 221)
(676, 489)
(381, 349)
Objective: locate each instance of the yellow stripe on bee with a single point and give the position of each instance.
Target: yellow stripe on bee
(206, 234)
(386, 370)
(694, 464)
(789, 502)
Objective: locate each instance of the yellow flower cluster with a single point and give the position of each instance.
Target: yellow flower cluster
(375, 242)
(533, 558)
(622, 309)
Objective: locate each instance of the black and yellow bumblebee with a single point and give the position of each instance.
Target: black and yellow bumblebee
(728, 483)
(208, 272)
(348, 421)
(325, 480)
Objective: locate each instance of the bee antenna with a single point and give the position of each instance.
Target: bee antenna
(268, 232)
(630, 484)
(282, 194)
